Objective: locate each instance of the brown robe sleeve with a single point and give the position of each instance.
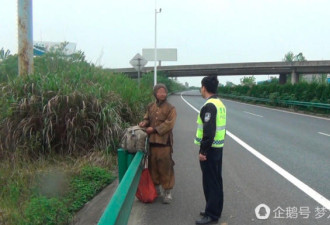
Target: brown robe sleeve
(168, 124)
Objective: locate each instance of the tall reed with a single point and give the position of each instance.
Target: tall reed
(71, 111)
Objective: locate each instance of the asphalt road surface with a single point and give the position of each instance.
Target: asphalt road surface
(275, 161)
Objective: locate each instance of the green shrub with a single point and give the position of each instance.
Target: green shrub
(274, 97)
(46, 211)
(9, 68)
(86, 185)
(304, 92)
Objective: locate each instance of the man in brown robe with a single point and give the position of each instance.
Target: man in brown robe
(159, 121)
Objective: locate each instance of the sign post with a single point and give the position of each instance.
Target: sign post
(138, 62)
(25, 37)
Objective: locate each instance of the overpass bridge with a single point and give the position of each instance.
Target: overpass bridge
(231, 69)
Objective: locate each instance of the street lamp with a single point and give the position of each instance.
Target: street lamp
(155, 59)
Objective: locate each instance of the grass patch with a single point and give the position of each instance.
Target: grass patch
(85, 185)
(50, 191)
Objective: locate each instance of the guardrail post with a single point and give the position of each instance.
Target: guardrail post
(122, 163)
(130, 157)
(124, 160)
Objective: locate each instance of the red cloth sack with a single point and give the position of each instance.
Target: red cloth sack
(146, 191)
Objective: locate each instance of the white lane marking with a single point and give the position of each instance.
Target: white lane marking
(279, 110)
(189, 104)
(302, 186)
(252, 114)
(299, 184)
(324, 134)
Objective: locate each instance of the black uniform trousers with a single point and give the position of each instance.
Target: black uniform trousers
(212, 183)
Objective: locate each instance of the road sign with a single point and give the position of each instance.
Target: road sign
(138, 62)
(163, 54)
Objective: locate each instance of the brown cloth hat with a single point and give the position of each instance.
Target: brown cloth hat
(157, 87)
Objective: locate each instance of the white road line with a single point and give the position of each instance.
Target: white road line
(302, 186)
(252, 114)
(189, 104)
(299, 184)
(324, 134)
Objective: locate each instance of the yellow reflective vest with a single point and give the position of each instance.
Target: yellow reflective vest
(220, 133)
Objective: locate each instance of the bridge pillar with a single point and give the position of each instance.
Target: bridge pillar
(294, 77)
(283, 78)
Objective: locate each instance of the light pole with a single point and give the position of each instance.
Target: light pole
(25, 37)
(155, 59)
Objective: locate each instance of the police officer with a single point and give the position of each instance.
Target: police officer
(210, 136)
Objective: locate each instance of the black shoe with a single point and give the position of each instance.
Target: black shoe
(206, 220)
(202, 213)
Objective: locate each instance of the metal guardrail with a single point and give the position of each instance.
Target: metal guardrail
(119, 208)
(124, 161)
(277, 101)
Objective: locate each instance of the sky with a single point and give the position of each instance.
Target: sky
(112, 32)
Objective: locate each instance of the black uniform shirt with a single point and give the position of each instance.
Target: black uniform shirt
(208, 115)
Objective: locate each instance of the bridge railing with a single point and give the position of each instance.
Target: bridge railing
(119, 208)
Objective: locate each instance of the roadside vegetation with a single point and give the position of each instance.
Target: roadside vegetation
(59, 131)
(274, 94)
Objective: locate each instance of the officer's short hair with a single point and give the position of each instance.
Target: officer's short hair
(210, 83)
